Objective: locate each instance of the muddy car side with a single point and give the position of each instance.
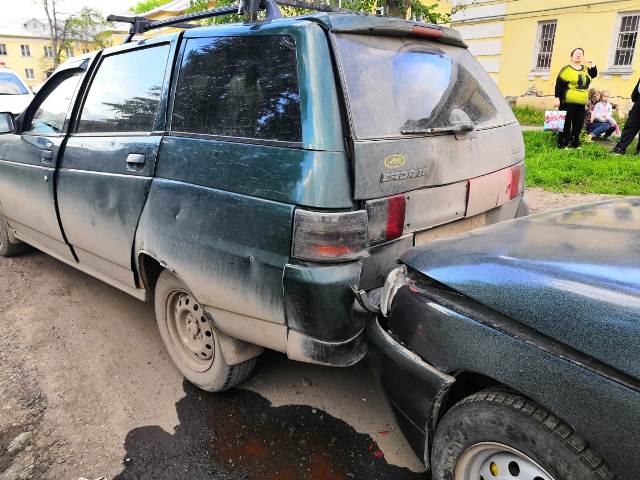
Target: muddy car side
(241, 176)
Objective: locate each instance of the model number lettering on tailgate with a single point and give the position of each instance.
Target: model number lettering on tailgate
(403, 175)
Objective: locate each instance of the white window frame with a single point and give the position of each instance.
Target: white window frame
(536, 47)
(25, 50)
(48, 51)
(30, 74)
(3, 48)
(614, 45)
(69, 52)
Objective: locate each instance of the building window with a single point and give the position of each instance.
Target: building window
(85, 50)
(544, 45)
(48, 51)
(29, 74)
(24, 49)
(626, 40)
(69, 52)
(3, 49)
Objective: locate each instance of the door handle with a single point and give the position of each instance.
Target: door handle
(46, 156)
(135, 161)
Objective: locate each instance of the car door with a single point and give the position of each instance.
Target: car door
(109, 159)
(28, 161)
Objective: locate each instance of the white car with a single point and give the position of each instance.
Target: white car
(14, 93)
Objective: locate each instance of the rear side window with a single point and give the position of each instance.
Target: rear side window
(239, 87)
(125, 92)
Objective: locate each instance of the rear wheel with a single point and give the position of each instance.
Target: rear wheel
(497, 435)
(8, 249)
(191, 340)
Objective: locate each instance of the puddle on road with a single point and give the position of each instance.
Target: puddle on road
(240, 435)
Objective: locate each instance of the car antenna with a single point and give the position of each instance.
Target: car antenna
(251, 7)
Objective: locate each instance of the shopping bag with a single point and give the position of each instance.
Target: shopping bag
(554, 120)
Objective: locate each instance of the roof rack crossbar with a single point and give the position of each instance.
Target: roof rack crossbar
(142, 24)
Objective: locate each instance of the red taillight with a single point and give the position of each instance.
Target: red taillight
(428, 32)
(516, 187)
(386, 218)
(396, 207)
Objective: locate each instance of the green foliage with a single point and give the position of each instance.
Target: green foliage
(398, 8)
(88, 26)
(528, 115)
(147, 5)
(592, 169)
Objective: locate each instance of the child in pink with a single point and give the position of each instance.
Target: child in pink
(602, 121)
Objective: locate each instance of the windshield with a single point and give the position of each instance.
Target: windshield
(11, 85)
(397, 86)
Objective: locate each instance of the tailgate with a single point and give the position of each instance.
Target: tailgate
(389, 167)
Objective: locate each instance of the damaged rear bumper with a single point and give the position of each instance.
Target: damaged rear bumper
(326, 325)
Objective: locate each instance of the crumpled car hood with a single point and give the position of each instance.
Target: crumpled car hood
(573, 275)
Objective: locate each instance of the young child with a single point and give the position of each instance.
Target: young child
(594, 97)
(602, 121)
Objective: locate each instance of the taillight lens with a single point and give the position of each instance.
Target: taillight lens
(517, 181)
(386, 218)
(330, 237)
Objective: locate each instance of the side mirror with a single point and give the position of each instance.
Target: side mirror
(7, 125)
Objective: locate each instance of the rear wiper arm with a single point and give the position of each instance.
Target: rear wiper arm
(460, 128)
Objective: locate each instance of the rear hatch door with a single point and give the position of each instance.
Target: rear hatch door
(422, 114)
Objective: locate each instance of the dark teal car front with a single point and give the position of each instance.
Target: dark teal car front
(525, 335)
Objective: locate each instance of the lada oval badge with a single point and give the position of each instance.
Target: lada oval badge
(395, 161)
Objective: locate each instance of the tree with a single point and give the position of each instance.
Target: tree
(397, 8)
(146, 5)
(87, 26)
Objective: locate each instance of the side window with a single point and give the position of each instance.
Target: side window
(239, 87)
(52, 111)
(125, 92)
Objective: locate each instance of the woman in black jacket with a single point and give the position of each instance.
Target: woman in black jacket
(631, 126)
(572, 87)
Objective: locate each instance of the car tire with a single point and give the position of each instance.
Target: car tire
(191, 340)
(491, 433)
(8, 248)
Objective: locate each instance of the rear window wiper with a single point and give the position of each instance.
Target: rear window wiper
(459, 128)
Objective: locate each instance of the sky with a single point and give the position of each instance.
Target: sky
(15, 10)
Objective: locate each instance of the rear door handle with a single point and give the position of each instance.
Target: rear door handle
(46, 156)
(135, 161)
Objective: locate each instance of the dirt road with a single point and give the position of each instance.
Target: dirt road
(87, 390)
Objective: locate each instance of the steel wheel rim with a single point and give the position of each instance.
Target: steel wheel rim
(496, 461)
(190, 330)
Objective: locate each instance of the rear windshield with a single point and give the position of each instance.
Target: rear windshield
(397, 85)
(10, 85)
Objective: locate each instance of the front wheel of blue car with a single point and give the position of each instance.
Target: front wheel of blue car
(499, 435)
(191, 339)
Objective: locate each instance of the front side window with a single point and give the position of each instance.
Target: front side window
(125, 92)
(50, 116)
(544, 45)
(11, 85)
(25, 51)
(239, 87)
(626, 40)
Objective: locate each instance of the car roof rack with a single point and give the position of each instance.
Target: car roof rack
(251, 7)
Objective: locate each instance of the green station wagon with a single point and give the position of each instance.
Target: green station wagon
(248, 178)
